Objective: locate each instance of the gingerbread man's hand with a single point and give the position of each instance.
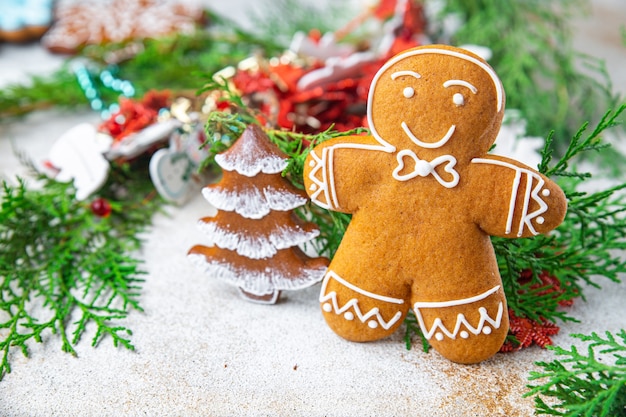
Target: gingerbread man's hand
(333, 172)
(319, 178)
(534, 203)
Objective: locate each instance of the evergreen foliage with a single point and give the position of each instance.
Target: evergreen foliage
(554, 86)
(578, 383)
(63, 269)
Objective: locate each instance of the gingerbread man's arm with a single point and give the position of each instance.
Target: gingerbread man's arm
(333, 172)
(530, 204)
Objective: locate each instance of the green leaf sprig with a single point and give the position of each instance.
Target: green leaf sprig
(582, 249)
(590, 384)
(533, 55)
(64, 269)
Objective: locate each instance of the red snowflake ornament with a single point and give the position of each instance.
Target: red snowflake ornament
(527, 332)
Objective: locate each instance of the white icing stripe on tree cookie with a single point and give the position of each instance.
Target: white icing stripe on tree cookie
(255, 246)
(373, 318)
(439, 330)
(253, 203)
(259, 283)
(250, 163)
(530, 193)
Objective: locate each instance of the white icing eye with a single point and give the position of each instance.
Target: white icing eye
(458, 99)
(408, 92)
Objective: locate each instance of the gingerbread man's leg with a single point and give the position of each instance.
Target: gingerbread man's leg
(465, 330)
(356, 313)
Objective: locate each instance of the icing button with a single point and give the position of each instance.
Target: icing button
(464, 334)
(348, 316)
(327, 307)
(423, 168)
(372, 324)
(545, 192)
(540, 220)
(487, 330)
(439, 336)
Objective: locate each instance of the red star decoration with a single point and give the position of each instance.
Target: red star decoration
(527, 332)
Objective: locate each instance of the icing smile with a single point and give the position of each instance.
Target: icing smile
(428, 145)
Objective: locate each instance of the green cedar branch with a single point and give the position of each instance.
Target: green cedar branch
(591, 383)
(554, 86)
(63, 268)
(582, 249)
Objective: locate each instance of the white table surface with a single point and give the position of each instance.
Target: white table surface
(203, 351)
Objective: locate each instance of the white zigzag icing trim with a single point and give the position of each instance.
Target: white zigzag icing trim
(320, 186)
(373, 318)
(438, 329)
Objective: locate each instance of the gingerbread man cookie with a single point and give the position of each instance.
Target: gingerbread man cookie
(426, 197)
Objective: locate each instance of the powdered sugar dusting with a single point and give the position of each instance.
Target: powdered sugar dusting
(101, 21)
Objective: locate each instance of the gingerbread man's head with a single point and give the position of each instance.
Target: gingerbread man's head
(436, 100)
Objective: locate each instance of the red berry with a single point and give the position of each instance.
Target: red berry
(101, 207)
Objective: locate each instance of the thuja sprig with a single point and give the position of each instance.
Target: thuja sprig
(190, 58)
(591, 383)
(534, 57)
(223, 128)
(581, 250)
(64, 269)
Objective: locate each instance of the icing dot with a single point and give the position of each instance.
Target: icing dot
(464, 334)
(439, 336)
(545, 192)
(312, 163)
(327, 307)
(423, 168)
(372, 324)
(458, 99)
(540, 220)
(313, 187)
(348, 315)
(487, 330)
(408, 92)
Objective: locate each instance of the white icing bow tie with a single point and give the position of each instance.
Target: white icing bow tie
(424, 168)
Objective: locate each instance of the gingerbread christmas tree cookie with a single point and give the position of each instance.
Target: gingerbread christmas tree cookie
(255, 235)
(425, 198)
